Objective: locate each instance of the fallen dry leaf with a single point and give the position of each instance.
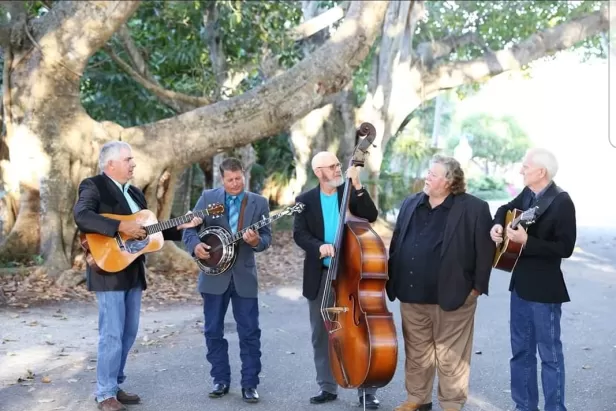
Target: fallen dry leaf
(46, 380)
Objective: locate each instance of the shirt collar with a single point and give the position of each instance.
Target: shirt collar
(447, 203)
(542, 192)
(124, 188)
(228, 196)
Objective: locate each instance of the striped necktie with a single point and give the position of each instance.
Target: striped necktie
(233, 213)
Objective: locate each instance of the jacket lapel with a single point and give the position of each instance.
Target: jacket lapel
(138, 197)
(452, 221)
(251, 207)
(315, 199)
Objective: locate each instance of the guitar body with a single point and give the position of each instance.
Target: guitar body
(508, 252)
(223, 252)
(114, 254)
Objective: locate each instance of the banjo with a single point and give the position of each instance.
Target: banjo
(223, 244)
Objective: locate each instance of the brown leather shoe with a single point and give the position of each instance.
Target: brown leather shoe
(127, 398)
(409, 406)
(111, 404)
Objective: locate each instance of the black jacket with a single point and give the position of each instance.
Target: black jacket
(537, 275)
(467, 251)
(109, 199)
(308, 231)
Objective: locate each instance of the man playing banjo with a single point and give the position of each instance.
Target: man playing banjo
(238, 284)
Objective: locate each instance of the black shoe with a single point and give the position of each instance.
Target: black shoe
(250, 395)
(219, 390)
(425, 407)
(371, 402)
(323, 397)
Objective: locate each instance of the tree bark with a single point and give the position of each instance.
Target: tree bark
(52, 131)
(423, 78)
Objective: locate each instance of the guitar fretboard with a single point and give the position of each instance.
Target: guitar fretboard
(174, 222)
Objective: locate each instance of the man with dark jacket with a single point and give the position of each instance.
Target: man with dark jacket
(314, 231)
(537, 285)
(440, 260)
(118, 294)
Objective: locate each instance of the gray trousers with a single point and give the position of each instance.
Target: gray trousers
(325, 379)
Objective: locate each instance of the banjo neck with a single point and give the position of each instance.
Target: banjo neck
(261, 223)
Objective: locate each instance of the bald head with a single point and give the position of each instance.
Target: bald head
(326, 167)
(323, 159)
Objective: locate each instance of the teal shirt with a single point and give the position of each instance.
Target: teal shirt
(131, 203)
(331, 213)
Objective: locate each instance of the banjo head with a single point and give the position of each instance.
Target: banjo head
(222, 254)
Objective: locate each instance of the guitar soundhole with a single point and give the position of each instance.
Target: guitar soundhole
(135, 246)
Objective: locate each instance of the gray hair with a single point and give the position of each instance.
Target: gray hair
(543, 158)
(111, 151)
(454, 173)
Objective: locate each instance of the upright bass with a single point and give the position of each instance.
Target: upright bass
(363, 345)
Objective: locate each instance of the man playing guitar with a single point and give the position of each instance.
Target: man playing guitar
(537, 285)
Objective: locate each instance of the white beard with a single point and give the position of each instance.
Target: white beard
(336, 182)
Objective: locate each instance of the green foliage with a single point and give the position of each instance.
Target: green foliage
(500, 23)
(171, 37)
(487, 188)
(496, 140)
(275, 163)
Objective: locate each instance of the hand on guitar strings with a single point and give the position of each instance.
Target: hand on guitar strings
(132, 230)
(497, 233)
(201, 251)
(518, 235)
(196, 221)
(252, 238)
(326, 250)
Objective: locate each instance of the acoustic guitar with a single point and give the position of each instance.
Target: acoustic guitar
(508, 252)
(113, 254)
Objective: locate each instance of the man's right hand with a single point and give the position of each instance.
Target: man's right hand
(326, 250)
(497, 233)
(201, 251)
(132, 229)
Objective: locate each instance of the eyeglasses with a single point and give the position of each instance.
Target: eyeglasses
(333, 166)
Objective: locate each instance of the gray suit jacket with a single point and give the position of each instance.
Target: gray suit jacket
(244, 272)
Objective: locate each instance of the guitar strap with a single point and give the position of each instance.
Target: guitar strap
(546, 200)
(240, 220)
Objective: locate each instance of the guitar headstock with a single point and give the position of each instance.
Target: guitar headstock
(215, 210)
(297, 208)
(528, 216)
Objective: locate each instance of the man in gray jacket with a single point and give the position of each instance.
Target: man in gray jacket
(239, 284)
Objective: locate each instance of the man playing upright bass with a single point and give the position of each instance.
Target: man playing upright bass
(314, 231)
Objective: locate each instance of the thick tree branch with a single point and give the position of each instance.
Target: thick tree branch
(182, 102)
(429, 52)
(178, 102)
(271, 107)
(536, 46)
(72, 31)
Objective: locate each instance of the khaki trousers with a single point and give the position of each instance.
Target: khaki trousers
(438, 340)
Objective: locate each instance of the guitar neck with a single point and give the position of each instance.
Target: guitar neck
(261, 223)
(174, 222)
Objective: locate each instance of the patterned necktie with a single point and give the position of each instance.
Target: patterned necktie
(233, 213)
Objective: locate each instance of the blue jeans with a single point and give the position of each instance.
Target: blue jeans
(536, 326)
(118, 323)
(246, 314)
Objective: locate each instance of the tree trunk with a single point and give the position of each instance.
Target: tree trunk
(54, 136)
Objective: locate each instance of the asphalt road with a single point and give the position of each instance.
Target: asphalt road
(170, 372)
